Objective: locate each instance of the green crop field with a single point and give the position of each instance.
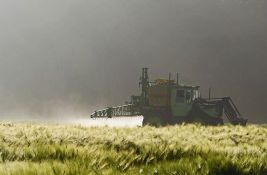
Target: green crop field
(183, 149)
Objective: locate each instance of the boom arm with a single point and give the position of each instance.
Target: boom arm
(232, 113)
(118, 111)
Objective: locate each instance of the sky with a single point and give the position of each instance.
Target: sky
(62, 58)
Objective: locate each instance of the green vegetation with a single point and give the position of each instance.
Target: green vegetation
(182, 149)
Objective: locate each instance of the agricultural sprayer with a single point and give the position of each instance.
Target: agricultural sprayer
(166, 101)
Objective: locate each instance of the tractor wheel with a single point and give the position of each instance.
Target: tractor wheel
(154, 121)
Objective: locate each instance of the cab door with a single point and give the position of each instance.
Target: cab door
(181, 101)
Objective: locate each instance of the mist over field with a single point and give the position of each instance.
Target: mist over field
(65, 59)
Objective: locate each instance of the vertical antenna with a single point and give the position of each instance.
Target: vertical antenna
(209, 93)
(170, 89)
(177, 79)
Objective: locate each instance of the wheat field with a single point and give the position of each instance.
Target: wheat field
(31, 148)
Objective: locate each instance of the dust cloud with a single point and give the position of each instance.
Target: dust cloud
(64, 59)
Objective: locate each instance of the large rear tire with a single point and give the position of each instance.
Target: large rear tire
(198, 116)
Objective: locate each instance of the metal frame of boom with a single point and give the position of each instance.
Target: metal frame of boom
(229, 108)
(124, 110)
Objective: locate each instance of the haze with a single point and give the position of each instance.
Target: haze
(62, 58)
